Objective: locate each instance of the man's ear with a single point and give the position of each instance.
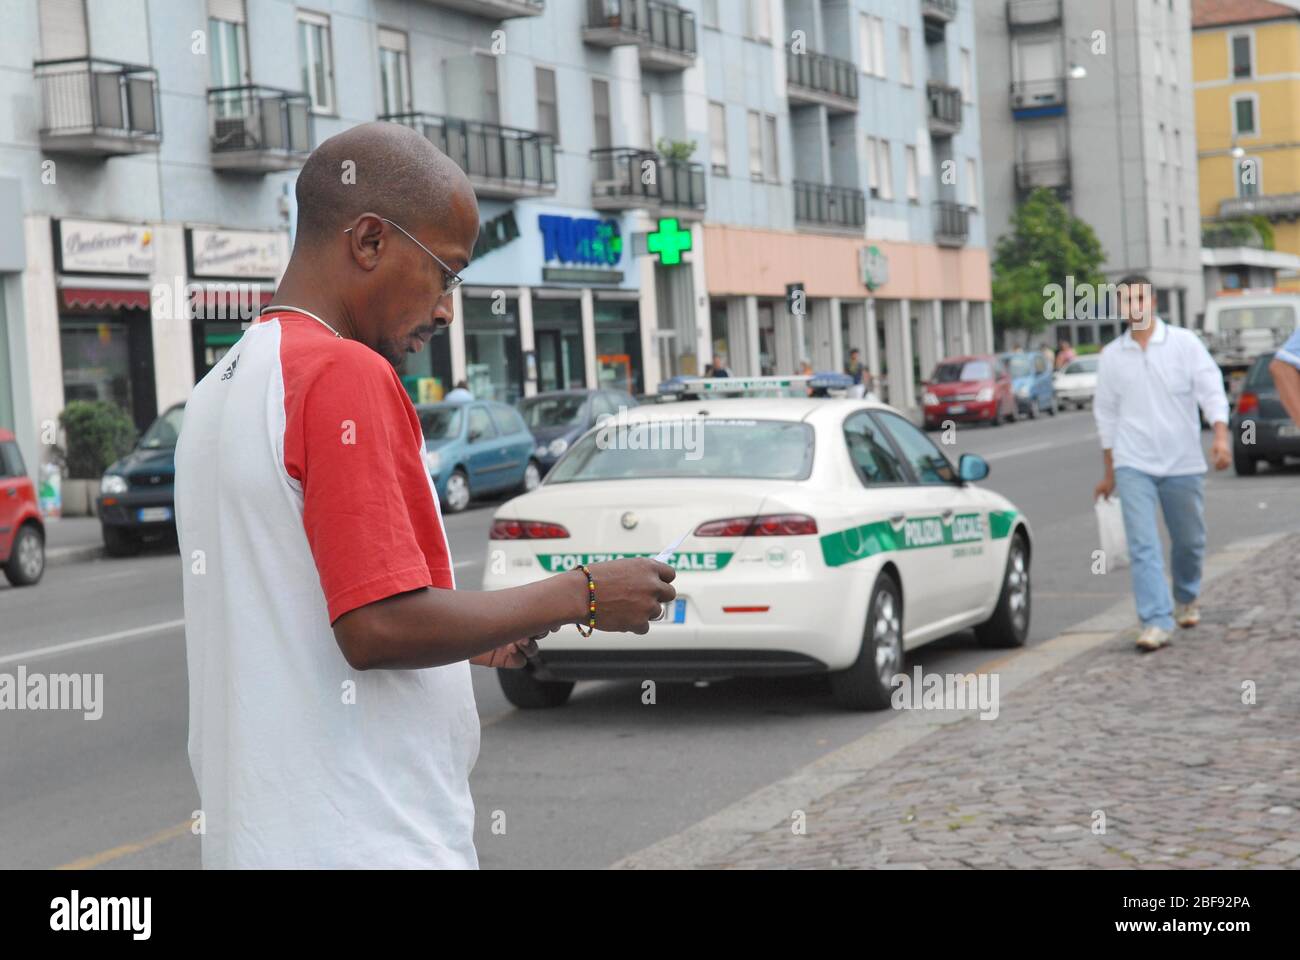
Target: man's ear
(367, 241)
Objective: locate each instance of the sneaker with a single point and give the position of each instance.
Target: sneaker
(1187, 614)
(1152, 638)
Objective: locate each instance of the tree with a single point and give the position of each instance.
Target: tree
(1046, 245)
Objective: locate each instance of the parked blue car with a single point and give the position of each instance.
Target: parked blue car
(1031, 382)
(476, 448)
(557, 418)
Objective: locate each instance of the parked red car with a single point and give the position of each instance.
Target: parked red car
(22, 532)
(969, 389)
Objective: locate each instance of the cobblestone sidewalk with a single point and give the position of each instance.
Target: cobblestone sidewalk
(1186, 774)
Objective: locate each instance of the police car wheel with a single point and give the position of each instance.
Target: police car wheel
(1009, 625)
(526, 692)
(868, 683)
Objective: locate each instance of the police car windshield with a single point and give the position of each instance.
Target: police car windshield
(960, 372)
(561, 411)
(688, 447)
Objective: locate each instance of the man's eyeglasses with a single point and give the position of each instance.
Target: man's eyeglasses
(450, 278)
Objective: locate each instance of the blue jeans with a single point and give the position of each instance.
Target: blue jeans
(1182, 500)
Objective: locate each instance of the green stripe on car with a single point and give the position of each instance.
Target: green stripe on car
(560, 562)
(916, 533)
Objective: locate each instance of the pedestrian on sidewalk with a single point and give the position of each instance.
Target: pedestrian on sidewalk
(1285, 368)
(332, 715)
(1150, 382)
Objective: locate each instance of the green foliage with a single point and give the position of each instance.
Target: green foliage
(1045, 246)
(1253, 231)
(677, 150)
(1083, 349)
(98, 433)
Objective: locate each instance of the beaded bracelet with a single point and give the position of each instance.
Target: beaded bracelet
(591, 603)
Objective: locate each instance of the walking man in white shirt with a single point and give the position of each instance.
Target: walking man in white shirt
(1150, 382)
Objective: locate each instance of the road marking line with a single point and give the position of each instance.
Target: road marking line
(91, 641)
(98, 859)
(1036, 447)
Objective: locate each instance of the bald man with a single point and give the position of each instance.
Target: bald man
(332, 717)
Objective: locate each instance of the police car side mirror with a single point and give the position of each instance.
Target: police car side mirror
(972, 468)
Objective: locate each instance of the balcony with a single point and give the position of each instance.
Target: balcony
(1038, 98)
(625, 178)
(1052, 174)
(939, 11)
(815, 78)
(663, 32)
(842, 209)
(951, 224)
(1279, 206)
(255, 129)
(494, 9)
(98, 108)
(502, 163)
(1028, 14)
(945, 109)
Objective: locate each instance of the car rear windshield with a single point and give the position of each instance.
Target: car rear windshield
(685, 447)
(1087, 365)
(162, 433)
(440, 423)
(958, 372)
(1259, 377)
(560, 411)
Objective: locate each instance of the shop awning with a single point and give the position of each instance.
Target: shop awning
(100, 298)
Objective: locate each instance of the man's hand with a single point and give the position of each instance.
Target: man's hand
(1105, 488)
(629, 593)
(511, 656)
(1221, 451)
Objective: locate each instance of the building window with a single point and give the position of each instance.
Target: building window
(548, 106)
(967, 77)
(758, 24)
(972, 183)
(1158, 63)
(1243, 55)
(755, 145)
(1245, 119)
(1168, 239)
(489, 109)
(647, 121)
(601, 126)
(710, 18)
(885, 170)
(394, 71)
(63, 29)
(865, 45)
(873, 179)
(871, 40)
(905, 56)
(227, 43)
(771, 158)
(913, 175)
(316, 60)
(718, 138)
(493, 362)
(1160, 144)
(878, 45)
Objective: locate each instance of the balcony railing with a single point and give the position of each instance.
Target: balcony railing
(951, 224)
(830, 206)
(98, 107)
(258, 129)
(501, 162)
(819, 78)
(1035, 94)
(1033, 13)
(1278, 206)
(664, 32)
(945, 109)
(625, 178)
(942, 10)
(495, 9)
(1053, 174)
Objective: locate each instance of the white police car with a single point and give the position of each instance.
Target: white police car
(821, 535)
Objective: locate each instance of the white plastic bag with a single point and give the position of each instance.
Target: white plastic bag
(1110, 523)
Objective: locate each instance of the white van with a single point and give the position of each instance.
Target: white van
(1241, 326)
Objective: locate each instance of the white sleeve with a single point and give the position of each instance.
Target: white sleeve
(1105, 404)
(1208, 381)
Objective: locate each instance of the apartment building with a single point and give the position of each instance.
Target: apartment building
(1095, 101)
(1246, 56)
(774, 180)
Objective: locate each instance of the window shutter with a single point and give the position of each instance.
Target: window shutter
(63, 29)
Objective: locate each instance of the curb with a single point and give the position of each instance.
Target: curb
(711, 839)
(61, 556)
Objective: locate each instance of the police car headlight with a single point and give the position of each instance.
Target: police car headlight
(432, 461)
(985, 395)
(929, 400)
(112, 485)
(558, 446)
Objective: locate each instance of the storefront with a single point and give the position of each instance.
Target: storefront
(233, 274)
(105, 336)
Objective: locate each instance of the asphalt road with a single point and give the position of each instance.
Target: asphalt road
(576, 787)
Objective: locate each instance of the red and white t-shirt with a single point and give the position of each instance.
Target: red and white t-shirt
(301, 494)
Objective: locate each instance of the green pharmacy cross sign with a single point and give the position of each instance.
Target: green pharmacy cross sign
(670, 241)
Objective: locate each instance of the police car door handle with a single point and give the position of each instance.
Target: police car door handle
(947, 514)
(897, 518)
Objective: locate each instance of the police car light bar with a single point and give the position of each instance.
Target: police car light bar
(754, 385)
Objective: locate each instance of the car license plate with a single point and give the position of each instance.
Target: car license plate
(154, 514)
(1288, 430)
(957, 408)
(677, 613)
